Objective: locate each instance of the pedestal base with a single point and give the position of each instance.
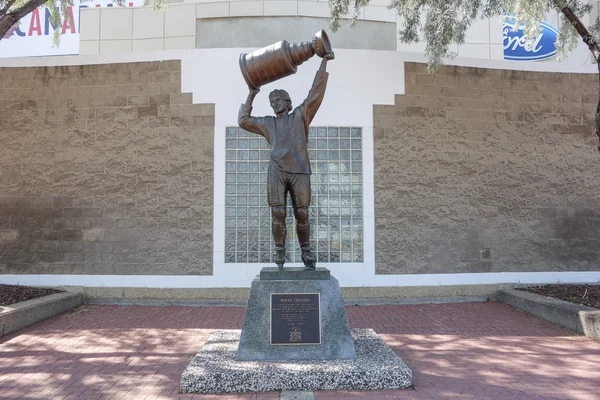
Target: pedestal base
(215, 370)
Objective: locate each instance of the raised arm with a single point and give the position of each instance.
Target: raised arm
(317, 91)
(251, 124)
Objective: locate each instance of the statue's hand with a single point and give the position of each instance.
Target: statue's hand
(329, 56)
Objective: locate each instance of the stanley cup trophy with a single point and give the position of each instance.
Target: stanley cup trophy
(286, 132)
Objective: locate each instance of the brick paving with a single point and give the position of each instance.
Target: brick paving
(482, 351)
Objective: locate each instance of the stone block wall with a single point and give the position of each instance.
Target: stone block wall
(474, 158)
(104, 169)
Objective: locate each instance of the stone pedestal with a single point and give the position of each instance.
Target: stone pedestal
(231, 361)
(336, 342)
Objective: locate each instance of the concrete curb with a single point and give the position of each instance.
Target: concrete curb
(19, 315)
(415, 300)
(581, 319)
(239, 296)
(243, 303)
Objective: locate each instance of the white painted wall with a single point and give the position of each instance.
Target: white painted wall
(105, 31)
(358, 80)
(119, 30)
(113, 30)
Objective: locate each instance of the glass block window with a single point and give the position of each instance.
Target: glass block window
(336, 219)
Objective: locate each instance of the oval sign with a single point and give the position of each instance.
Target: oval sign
(516, 48)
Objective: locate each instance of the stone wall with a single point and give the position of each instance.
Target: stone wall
(104, 169)
(475, 158)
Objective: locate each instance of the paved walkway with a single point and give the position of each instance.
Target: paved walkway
(457, 351)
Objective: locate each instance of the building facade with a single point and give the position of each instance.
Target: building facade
(123, 171)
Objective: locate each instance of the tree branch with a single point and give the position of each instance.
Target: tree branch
(589, 40)
(587, 37)
(7, 7)
(8, 20)
(597, 119)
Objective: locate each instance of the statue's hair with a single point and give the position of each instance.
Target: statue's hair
(283, 95)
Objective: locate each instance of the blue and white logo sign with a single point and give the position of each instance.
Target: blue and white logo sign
(516, 47)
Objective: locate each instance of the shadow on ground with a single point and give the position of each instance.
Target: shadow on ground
(462, 351)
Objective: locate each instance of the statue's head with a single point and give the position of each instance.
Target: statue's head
(280, 101)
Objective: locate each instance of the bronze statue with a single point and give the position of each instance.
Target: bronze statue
(287, 134)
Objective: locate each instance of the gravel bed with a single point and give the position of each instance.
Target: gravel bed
(215, 370)
(11, 294)
(586, 295)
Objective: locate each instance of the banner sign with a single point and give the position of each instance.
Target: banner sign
(33, 35)
(516, 48)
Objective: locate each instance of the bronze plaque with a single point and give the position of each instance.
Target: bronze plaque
(295, 318)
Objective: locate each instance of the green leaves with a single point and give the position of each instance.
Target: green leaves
(441, 23)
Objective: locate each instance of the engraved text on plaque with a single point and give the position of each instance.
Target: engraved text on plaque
(295, 318)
